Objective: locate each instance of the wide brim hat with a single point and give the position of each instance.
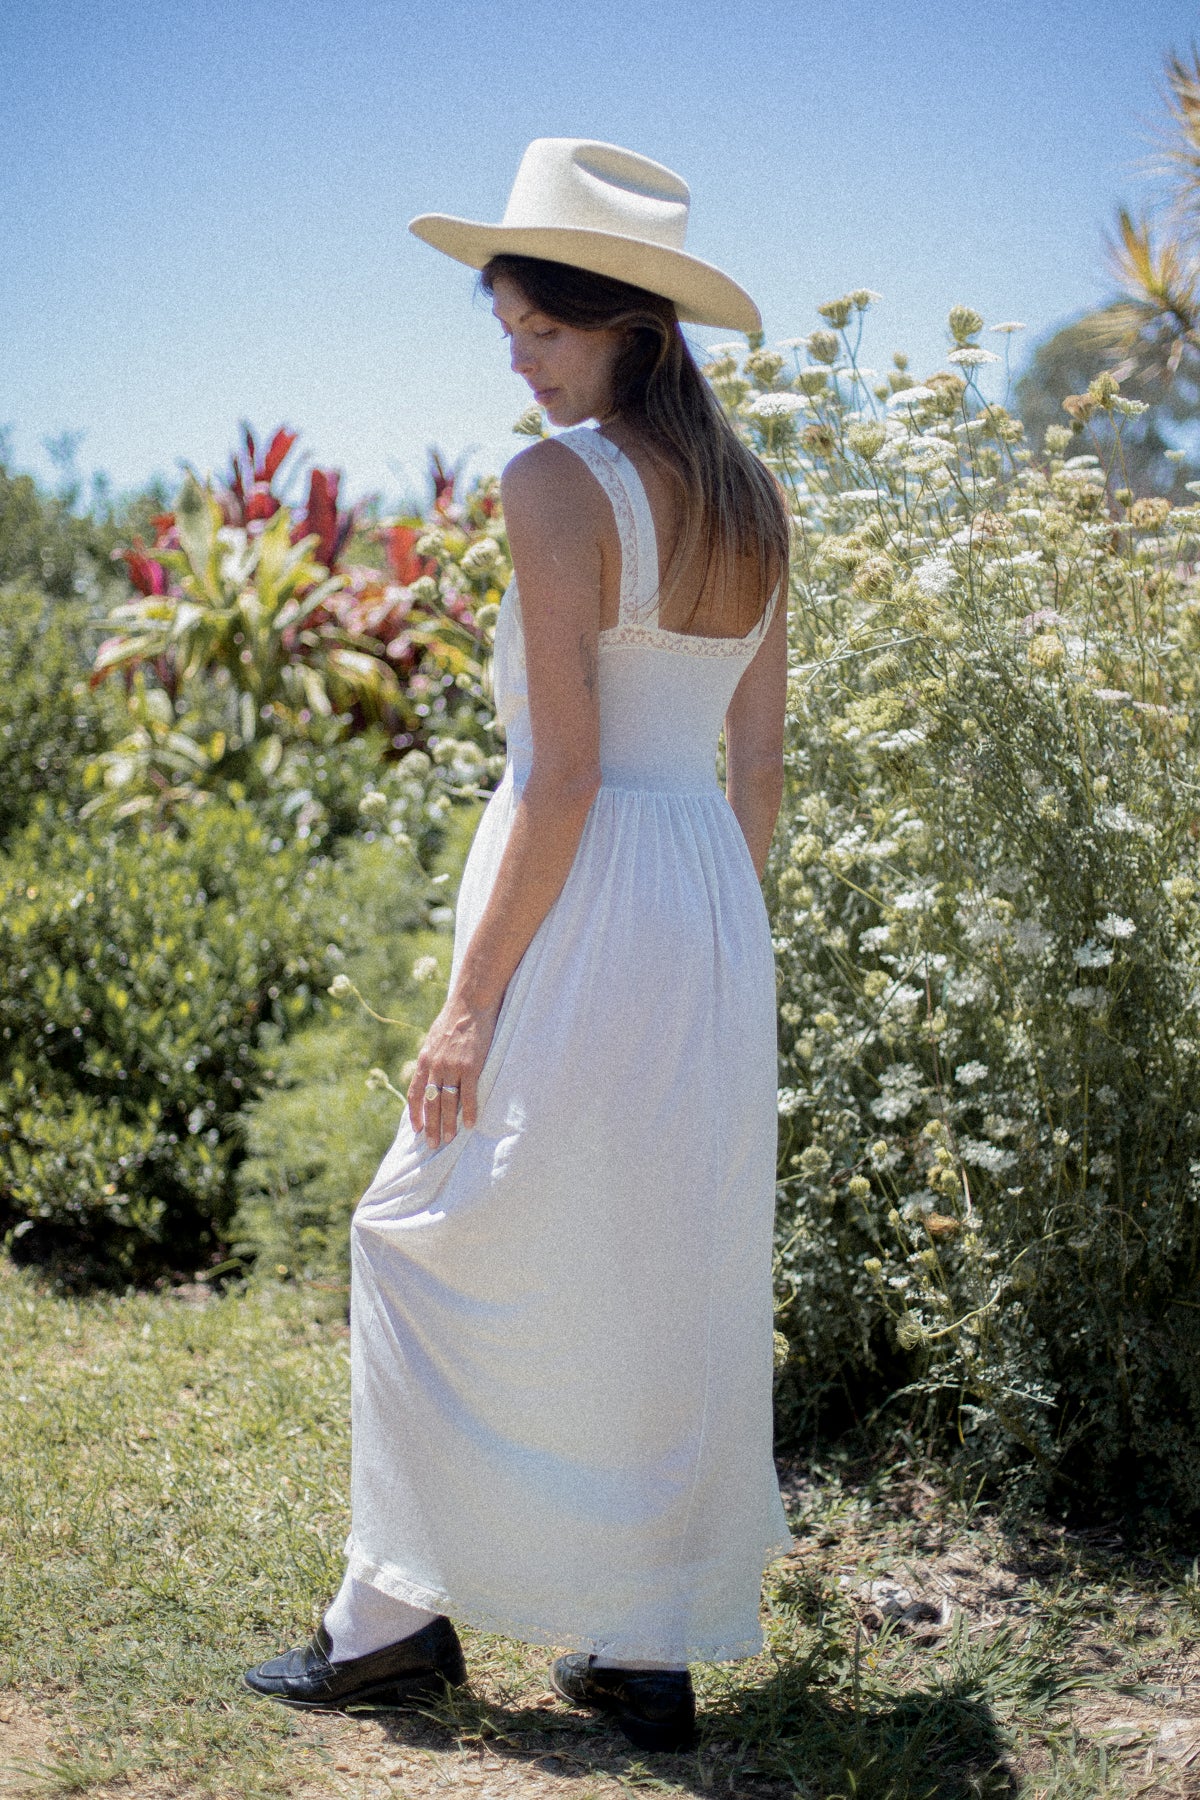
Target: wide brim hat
(608, 210)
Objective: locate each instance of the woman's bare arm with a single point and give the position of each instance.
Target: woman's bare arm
(754, 739)
(554, 513)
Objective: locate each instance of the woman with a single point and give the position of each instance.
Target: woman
(561, 1293)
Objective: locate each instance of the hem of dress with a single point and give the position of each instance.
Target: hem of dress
(391, 1581)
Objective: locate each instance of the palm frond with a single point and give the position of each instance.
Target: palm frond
(1155, 321)
(1181, 157)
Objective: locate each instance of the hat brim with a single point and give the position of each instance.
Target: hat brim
(702, 294)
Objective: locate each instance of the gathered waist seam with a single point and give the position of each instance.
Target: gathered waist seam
(618, 785)
(629, 784)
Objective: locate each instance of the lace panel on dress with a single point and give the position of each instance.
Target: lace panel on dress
(627, 494)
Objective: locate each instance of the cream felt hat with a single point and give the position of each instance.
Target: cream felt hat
(598, 207)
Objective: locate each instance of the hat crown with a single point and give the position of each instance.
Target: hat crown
(582, 185)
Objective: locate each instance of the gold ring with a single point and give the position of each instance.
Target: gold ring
(432, 1091)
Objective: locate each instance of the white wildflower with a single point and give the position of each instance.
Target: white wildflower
(717, 350)
(788, 1102)
(980, 926)
(1092, 955)
(902, 996)
(903, 739)
(530, 423)
(1025, 559)
(858, 496)
(912, 396)
(1087, 996)
(483, 556)
(1007, 327)
(901, 1084)
(876, 937)
(983, 1155)
(927, 455)
(971, 989)
(849, 843)
(997, 1126)
(1131, 409)
(970, 356)
(1113, 696)
(917, 899)
(969, 1073)
(1029, 938)
(1120, 819)
(775, 406)
(424, 968)
(1114, 926)
(934, 576)
(1039, 620)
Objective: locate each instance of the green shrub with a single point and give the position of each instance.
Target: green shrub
(317, 1134)
(322, 795)
(142, 976)
(43, 542)
(51, 721)
(984, 894)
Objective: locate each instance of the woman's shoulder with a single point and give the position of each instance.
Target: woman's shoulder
(548, 474)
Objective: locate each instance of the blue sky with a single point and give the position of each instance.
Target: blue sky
(203, 205)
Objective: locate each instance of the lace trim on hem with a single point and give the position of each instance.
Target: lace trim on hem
(388, 1579)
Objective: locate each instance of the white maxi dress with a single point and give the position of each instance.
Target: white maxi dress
(561, 1319)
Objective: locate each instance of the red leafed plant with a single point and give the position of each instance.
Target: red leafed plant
(247, 492)
(292, 634)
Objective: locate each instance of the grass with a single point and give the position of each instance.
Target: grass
(174, 1509)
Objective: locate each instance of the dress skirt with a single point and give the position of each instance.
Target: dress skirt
(562, 1318)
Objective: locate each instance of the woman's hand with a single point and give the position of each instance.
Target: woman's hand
(451, 1057)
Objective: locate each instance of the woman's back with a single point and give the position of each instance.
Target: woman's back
(663, 693)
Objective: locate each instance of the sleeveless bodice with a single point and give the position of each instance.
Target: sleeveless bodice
(663, 694)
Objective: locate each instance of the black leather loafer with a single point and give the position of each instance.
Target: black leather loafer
(655, 1708)
(415, 1668)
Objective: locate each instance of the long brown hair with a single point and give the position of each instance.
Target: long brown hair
(731, 506)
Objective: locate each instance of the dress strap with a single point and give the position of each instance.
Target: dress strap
(635, 523)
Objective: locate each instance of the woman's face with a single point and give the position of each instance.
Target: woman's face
(569, 370)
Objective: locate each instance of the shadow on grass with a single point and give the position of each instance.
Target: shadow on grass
(785, 1736)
